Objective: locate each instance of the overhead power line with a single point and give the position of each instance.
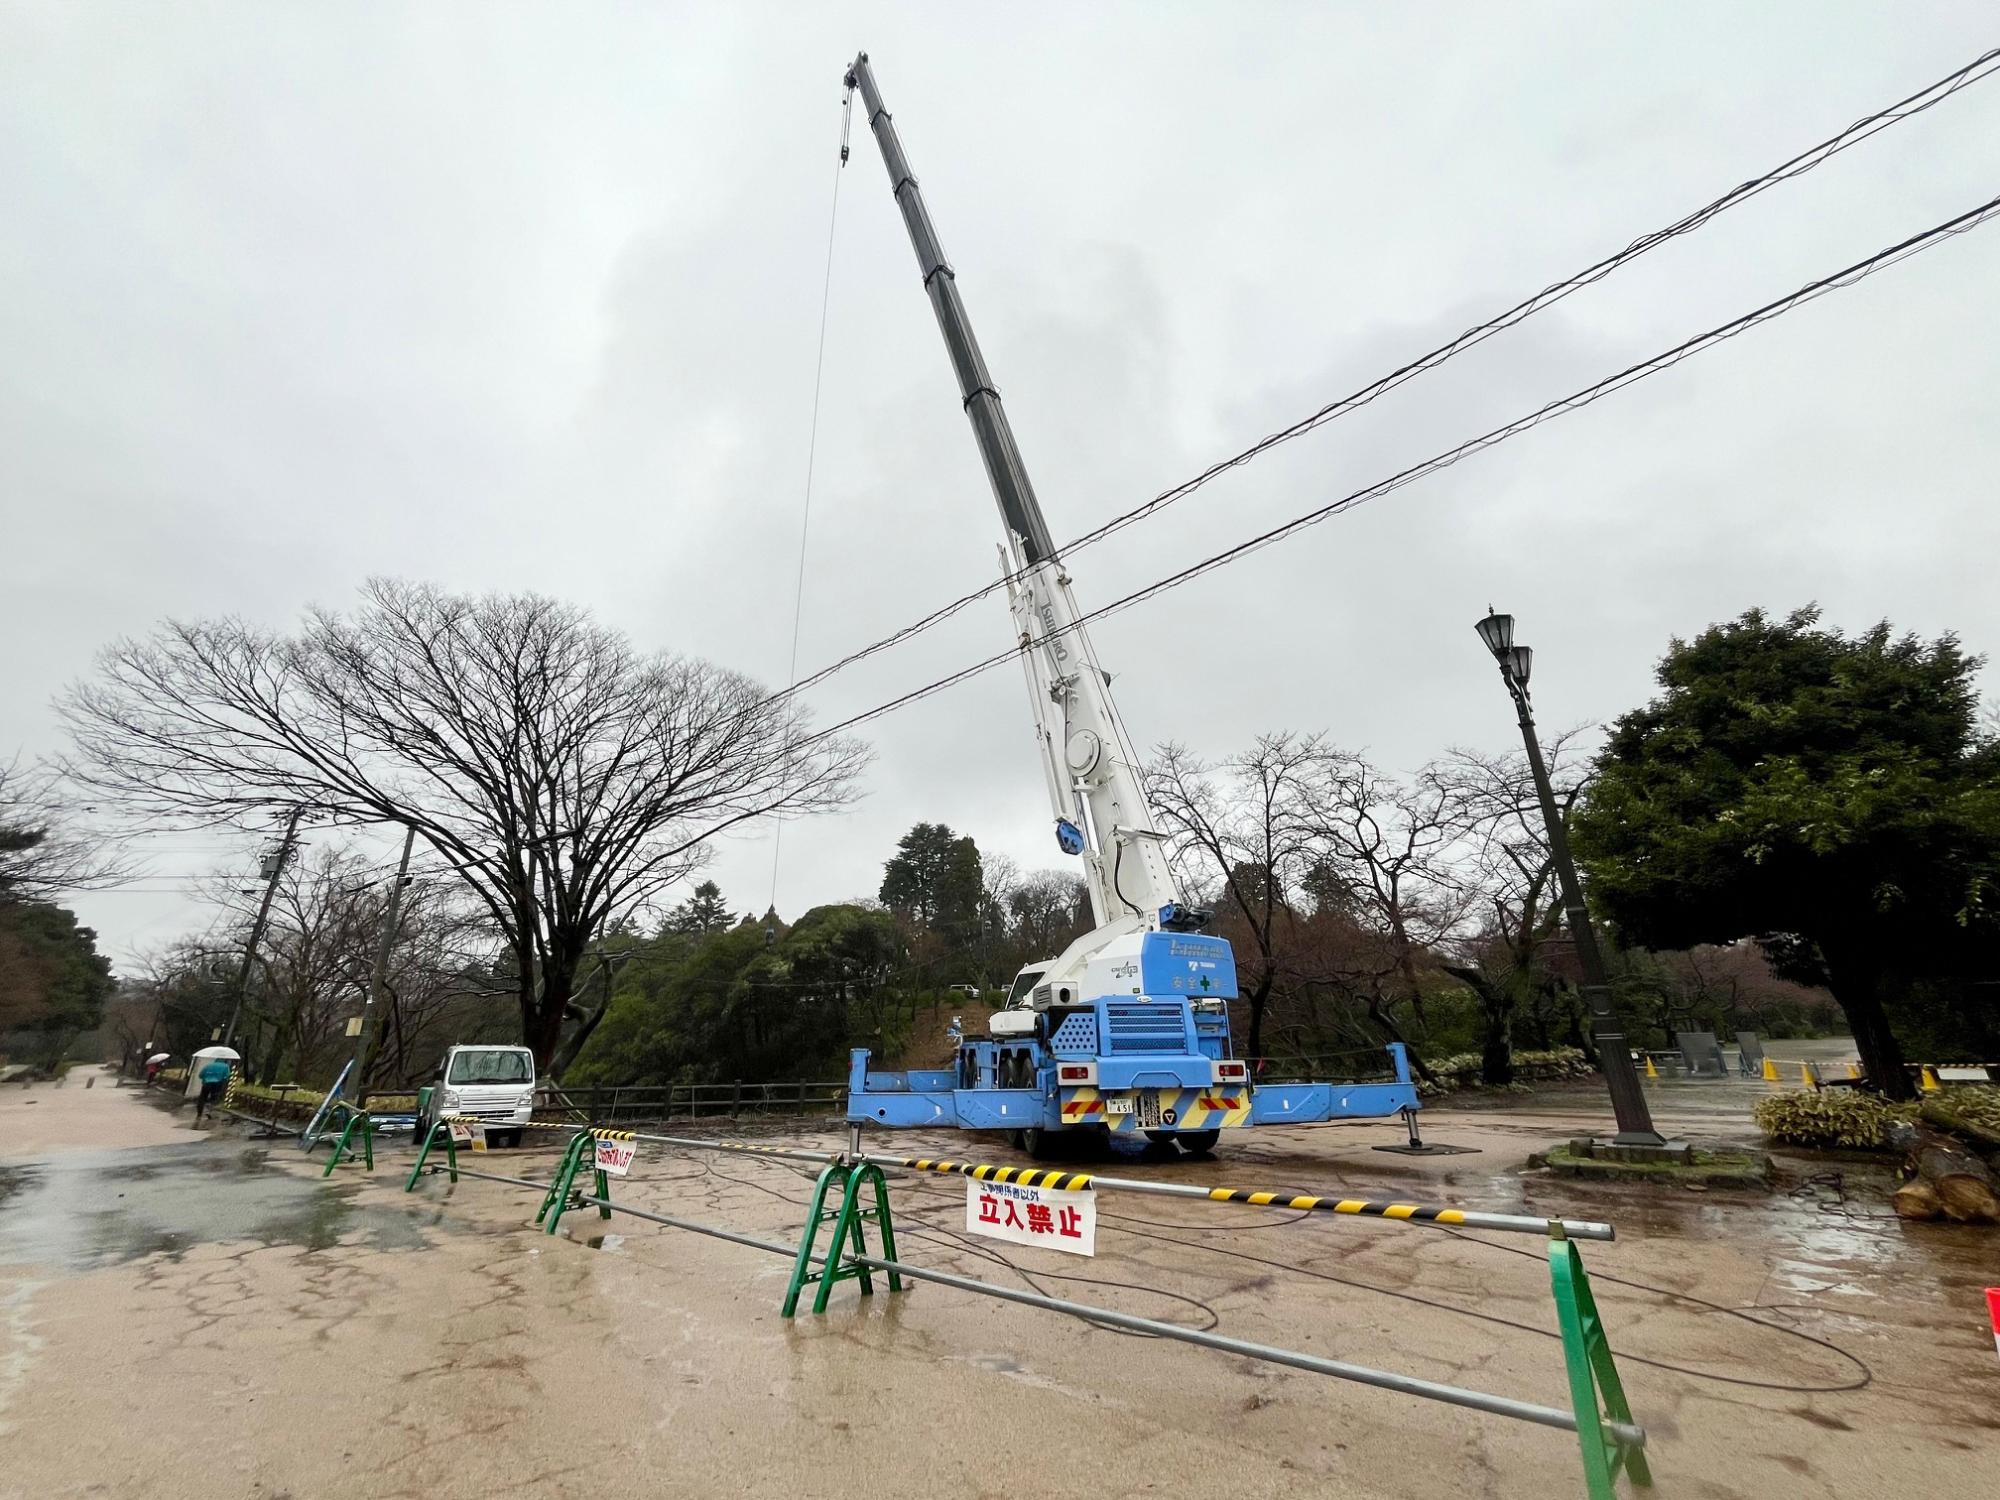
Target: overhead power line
(1925, 98)
(1631, 374)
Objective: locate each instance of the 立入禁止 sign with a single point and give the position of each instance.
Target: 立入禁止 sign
(615, 1157)
(466, 1132)
(1048, 1217)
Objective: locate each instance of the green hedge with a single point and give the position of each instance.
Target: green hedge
(1830, 1118)
(1461, 1070)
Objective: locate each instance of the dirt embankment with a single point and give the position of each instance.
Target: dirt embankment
(930, 1044)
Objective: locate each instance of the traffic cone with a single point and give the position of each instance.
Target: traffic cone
(1928, 1080)
(1806, 1079)
(1854, 1070)
(1993, 1312)
(1770, 1071)
(1651, 1071)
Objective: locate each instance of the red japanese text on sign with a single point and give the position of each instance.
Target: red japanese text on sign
(1046, 1217)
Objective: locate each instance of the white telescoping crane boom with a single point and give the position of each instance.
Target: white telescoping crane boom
(1094, 778)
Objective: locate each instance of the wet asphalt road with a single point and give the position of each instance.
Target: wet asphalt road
(342, 1336)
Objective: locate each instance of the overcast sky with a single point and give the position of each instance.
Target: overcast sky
(520, 297)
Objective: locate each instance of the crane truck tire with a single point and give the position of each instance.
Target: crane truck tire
(1198, 1142)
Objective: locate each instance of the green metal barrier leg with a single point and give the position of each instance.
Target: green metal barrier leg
(846, 1231)
(1592, 1373)
(558, 1193)
(424, 1152)
(802, 1271)
(604, 1194)
(338, 1147)
(885, 1224)
(368, 1141)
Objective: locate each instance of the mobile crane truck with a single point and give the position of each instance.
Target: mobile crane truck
(1127, 1031)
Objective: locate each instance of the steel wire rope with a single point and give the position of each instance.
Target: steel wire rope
(1866, 1372)
(939, 1234)
(1152, 1226)
(1576, 401)
(1805, 161)
(812, 454)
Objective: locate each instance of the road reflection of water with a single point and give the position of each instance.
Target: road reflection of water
(81, 1212)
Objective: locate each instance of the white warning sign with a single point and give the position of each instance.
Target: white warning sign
(1050, 1218)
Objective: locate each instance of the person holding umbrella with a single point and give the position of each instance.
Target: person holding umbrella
(212, 1065)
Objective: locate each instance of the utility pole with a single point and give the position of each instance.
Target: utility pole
(378, 981)
(257, 927)
(1614, 1054)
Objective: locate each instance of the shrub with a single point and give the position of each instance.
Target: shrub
(1830, 1117)
(1461, 1070)
(1976, 1104)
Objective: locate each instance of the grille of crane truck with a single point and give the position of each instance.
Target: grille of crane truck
(1076, 1036)
(1145, 1028)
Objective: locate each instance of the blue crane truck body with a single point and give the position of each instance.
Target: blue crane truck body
(1138, 1063)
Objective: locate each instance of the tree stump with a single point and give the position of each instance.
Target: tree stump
(1961, 1184)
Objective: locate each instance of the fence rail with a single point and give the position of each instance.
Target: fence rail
(614, 1104)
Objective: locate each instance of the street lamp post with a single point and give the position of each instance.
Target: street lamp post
(1628, 1099)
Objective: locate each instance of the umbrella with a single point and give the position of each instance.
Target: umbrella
(229, 1052)
(158, 1057)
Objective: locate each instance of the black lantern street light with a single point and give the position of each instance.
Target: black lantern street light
(1628, 1100)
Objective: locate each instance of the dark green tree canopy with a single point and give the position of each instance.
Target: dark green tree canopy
(53, 981)
(702, 913)
(1834, 795)
(934, 880)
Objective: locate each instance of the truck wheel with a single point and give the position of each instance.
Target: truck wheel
(1038, 1143)
(1198, 1142)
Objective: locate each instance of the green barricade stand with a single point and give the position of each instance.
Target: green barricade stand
(847, 1221)
(559, 1197)
(1593, 1375)
(354, 1117)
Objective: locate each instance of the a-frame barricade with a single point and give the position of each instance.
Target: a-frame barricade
(847, 1221)
(560, 1196)
(1596, 1394)
(356, 1117)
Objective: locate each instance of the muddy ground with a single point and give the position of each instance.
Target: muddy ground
(192, 1313)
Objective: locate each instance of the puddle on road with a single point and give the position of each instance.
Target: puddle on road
(102, 1209)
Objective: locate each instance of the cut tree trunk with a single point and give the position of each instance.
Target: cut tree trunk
(1963, 1183)
(1916, 1199)
(1946, 1116)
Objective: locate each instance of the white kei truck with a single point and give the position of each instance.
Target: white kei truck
(494, 1085)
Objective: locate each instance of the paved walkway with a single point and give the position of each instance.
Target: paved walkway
(346, 1338)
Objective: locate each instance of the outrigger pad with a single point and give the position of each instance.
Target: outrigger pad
(1429, 1150)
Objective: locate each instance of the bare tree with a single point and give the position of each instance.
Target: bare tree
(1236, 829)
(1515, 905)
(44, 849)
(1389, 843)
(1050, 909)
(568, 779)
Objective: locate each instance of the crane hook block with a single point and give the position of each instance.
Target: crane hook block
(1069, 837)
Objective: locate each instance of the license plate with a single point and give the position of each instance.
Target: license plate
(1118, 1106)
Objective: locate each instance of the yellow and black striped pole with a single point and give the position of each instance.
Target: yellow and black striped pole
(1416, 1213)
(1069, 1182)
